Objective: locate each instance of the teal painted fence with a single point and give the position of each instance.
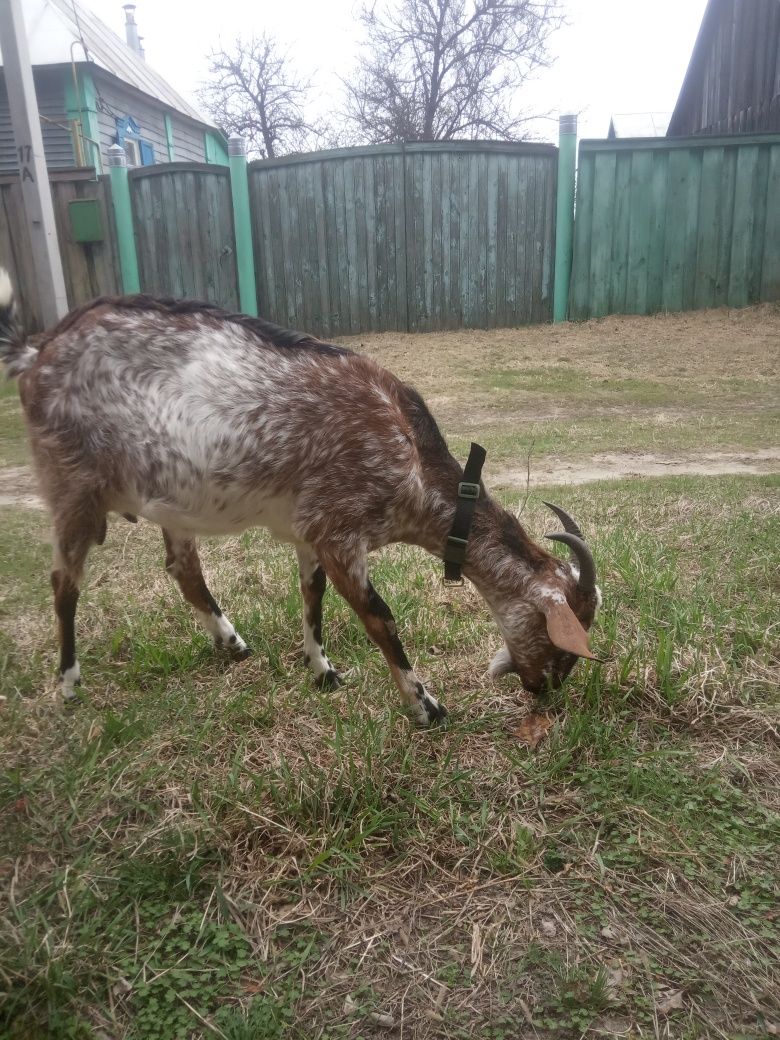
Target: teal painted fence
(676, 224)
(412, 237)
(183, 218)
(437, 236)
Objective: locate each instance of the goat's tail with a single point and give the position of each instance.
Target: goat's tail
(15, 353)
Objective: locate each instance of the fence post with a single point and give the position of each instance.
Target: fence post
(564, 223)
(123, 213)
(242, 225)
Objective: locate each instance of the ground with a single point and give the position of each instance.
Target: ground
(206, 849)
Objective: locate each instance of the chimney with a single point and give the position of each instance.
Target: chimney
(131, 30)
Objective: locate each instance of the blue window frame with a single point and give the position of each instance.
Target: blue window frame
(140, 151)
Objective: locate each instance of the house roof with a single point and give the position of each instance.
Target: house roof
(53, 26)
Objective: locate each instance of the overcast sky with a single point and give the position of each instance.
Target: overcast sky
(614, 56)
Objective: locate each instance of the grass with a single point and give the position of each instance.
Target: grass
(204, 849)
(690, 383)
(13, 446)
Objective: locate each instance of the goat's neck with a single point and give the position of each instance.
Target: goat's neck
(500, 557)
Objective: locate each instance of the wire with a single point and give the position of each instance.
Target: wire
(78, 28)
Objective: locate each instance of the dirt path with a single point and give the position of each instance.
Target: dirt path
(623, 465)
(18, 487)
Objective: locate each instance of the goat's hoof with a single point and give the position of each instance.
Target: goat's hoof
(330, 680)
(434, 715)
(437, 714)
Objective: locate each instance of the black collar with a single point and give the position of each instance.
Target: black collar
(468, 493)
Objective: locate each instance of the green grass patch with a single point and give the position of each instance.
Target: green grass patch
(13, 445)
(205, 849)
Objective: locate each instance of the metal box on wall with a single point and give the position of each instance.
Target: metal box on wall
(86, 224)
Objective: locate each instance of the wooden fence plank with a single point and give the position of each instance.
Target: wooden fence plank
(620, 234)
(603, 201)
(722, 260)
(658, 203)
(638, 232)
(426, 242)
(676, 222)
(438, 218)
(550, 175)
(760, 204)
(742, 231)
(708, 225)
(369, 196)
(579, 290)
(398, 164)
(770, 266)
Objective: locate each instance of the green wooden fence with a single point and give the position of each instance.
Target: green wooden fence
(434, 236)
(676, 224)
(91, 268)
(183, 219)
(412, 237)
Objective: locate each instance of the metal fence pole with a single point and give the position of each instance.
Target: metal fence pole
(564, 224)
(123, 213)
(242, 225)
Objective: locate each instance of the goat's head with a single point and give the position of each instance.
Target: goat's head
(545, 630)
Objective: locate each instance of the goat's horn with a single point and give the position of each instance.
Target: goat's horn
(587, 581)
(569, 525)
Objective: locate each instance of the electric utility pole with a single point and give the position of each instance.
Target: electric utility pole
(36, 193)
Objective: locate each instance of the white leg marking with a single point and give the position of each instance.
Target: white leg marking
(69, 680)
(422, 706)
(313, 653)
(221, 631)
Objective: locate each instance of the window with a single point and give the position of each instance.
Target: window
(132, 151)
(138, 151)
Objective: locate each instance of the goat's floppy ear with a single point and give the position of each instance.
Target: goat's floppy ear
(565, 630)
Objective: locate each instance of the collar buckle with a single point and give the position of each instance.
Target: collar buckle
(468, 494)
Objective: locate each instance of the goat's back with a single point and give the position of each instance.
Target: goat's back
(184, 405)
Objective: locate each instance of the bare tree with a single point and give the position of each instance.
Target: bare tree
(255, 93)
(440, 69)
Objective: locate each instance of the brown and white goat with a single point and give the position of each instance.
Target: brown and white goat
(209, 423)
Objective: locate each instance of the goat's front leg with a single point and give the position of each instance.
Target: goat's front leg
(353, 584)
(313, 583)
(183, 563)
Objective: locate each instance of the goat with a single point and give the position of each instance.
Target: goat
(208, 423)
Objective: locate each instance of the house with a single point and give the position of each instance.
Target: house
(733, 80)
(95, 90)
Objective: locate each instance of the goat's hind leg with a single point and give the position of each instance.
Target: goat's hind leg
(76, 530)
(313, 581)
(183, 563)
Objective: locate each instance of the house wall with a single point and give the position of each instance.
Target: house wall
(103, 99)
(187, 139)
(116, 100)
(733, 82)
(57, 140)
